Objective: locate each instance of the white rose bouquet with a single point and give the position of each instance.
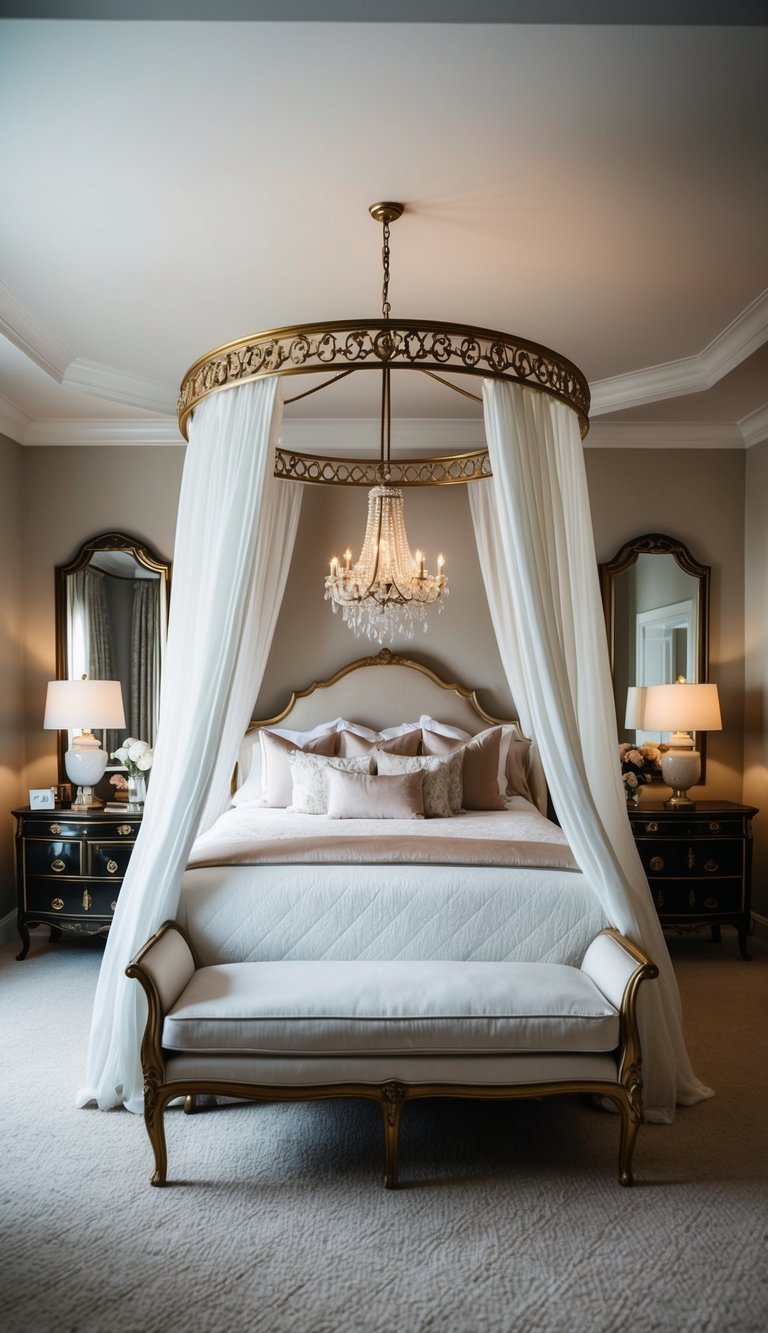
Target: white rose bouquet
(135, 755)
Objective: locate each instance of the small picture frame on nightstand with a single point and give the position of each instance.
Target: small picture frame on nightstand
(41, 798)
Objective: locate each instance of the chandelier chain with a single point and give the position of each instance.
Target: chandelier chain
(385, 306)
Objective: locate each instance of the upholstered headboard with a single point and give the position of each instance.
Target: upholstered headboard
(381, 691)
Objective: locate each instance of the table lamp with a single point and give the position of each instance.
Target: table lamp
(635, 713)
(681, 709)
(79, 705)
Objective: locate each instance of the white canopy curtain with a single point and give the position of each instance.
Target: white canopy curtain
(534, 536)
(235, 532)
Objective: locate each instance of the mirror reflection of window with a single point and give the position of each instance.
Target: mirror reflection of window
(111, 606)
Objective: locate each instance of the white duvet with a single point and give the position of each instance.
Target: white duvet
(432, 905)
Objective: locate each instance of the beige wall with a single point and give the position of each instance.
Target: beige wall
(71, 493)
(756, 675)
(12, 719)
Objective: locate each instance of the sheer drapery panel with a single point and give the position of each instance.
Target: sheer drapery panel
(534, 534)
(235, 532)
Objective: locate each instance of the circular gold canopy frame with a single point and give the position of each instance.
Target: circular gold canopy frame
(340, 347)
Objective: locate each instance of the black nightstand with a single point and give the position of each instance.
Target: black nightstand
(698, 863)
(69, 869)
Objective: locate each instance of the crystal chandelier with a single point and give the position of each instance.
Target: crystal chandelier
(388, 590)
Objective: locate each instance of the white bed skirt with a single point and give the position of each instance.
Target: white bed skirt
(272, 912)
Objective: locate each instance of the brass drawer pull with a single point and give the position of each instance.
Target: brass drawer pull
(691, 898)
(58, 866)
(113, 905)
(711, 866)
(691, 859)
(657, 863)
(659, 899)
(711, 903)
(652, 827)
(714, 827)
(112, 866)
(124, 830)
(55, 828)
(57, 904)
(87, 900)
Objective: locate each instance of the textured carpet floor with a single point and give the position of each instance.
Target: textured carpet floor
(509, 1216)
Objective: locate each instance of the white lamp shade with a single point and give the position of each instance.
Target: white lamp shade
(635, 714)
(681, 707)
(74, 704)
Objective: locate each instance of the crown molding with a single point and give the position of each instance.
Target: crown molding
(77, 433)
(754, 428)
(31, 337)
(119, 386)
(690, 374)
(414, 437)
(664, 435)
(13, 422)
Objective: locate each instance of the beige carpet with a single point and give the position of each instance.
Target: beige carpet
(509, 1218)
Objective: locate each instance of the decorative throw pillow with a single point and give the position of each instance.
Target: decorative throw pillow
(513, 753)
(310, 774)
(276, 773)
(442, 779)
(251, 773)
(360, 796)
(480, 768)
(351, 743)
(517, 768)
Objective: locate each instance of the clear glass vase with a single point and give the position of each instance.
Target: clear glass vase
(137, 792)
(632, 795)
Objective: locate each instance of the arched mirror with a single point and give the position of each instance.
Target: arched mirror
(656, 599)
(111, 623)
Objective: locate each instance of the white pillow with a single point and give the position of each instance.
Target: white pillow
(310, 773)
(252, 761)
(442, 779)
(428, 723)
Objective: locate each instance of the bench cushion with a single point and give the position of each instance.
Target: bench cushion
(351, 1008)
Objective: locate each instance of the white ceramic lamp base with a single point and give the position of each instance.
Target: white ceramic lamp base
(85, 762)
(680, 770)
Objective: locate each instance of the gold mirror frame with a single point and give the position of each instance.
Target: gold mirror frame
(142, 553)
(657, 543)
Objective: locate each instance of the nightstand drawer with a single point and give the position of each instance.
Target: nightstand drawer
(680, 826)
(108, 859)
(698, 898)
(86, 899)
(56, 856)
(688, 856)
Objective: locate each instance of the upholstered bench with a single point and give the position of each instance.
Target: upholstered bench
(390, 1031)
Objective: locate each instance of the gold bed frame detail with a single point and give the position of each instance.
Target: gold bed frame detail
(385, 658)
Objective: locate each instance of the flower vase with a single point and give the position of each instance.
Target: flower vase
(633, 797)
(137, 792)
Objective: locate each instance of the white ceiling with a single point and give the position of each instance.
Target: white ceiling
(168, 186)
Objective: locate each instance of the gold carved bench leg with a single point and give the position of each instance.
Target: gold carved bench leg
(630, 1107)
(154, 1113)
(393, 1095)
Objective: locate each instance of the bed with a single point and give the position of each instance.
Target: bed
(280, 877)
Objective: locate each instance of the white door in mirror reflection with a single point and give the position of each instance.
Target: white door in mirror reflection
(664, 650)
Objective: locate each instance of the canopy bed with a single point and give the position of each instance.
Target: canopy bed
(238, 516)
